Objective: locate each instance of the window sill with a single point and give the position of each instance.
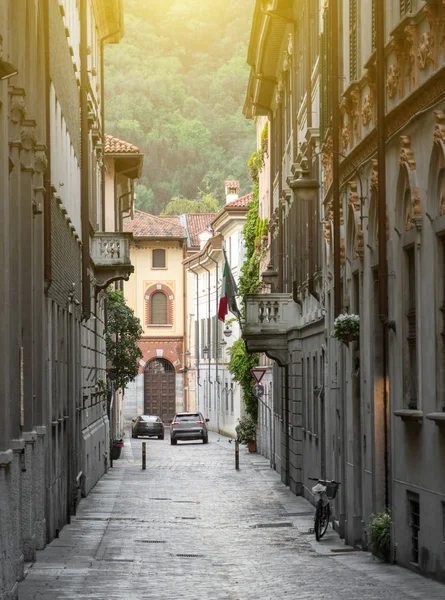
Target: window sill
(159, 268)
(407, 414)
(159, 325)
(438, 417)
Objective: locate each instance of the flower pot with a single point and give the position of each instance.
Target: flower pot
(251, 446)
(350, 338)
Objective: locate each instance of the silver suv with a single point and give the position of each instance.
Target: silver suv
(188, 426)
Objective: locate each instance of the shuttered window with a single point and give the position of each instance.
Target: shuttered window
(158, 257)
(159, 309)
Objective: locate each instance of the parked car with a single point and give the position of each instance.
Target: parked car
(148, 426)
(188, 426)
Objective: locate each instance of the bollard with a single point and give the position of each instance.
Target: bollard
(144, 455)
(237, 455)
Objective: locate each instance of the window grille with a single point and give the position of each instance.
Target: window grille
(158, 257)
(352, 40)
(159, 309)
(414, 524)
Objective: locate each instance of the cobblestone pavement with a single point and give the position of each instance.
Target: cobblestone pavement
(191, 527)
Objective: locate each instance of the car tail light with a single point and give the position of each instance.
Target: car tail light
(199, 421)
(175, 422)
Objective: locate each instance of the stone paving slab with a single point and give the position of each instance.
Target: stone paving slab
(190, 527)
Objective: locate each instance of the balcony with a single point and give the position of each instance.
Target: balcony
(110, 256)
(269, 317)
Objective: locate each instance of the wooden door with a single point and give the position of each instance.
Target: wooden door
(160, 389)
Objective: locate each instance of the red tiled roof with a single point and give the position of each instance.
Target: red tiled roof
(241, 202)
(146, 225)
(114, 145)
(196, 223)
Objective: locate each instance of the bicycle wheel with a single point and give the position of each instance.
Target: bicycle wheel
(325, 520)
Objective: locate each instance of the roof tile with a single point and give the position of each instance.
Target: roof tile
(196, 223)
(146, 225)
(114, 145)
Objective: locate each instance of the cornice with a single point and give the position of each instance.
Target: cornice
(109, 17)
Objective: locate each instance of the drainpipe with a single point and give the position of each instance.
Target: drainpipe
(383, 266)
(335, 157)
(47, 179)
(217, 394)
(84, 160)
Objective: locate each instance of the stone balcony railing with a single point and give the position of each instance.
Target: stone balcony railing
(268, 319)
(110, 255)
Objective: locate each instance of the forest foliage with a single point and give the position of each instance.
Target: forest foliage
(175, 87)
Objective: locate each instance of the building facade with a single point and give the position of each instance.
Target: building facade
(352, 93)
(212, 389)
(56, 261)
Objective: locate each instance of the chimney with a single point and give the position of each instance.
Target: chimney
(232, 190)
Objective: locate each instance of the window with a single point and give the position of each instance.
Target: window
(158, 258)
(411, 363)
(159, 309)
(405, 8)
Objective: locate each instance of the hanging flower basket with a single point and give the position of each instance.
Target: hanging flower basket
(346, 328)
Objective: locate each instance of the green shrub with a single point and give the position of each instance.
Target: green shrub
(246, 429)
(379, 535)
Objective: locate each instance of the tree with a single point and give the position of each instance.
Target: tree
(180, 206)
(122, 333)
(193, 135)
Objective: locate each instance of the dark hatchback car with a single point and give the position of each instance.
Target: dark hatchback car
(148, 426)
(189, 426)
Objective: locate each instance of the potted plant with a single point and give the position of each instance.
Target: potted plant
(346, 328)
(379, 535)
(246, 430)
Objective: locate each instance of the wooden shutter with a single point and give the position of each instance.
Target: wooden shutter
(158, 257)
(159, 309)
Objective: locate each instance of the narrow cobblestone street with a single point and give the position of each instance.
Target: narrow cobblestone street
(191, 527)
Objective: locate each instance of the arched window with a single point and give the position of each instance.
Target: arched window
(159, 309)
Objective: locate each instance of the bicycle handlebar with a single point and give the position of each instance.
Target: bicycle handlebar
(324, 480)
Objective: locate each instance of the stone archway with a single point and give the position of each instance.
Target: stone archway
(160, 389)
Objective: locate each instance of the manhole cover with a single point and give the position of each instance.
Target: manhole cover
(190, 555)
(151, 541)
(263, 525)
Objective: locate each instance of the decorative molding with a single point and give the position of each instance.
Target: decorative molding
(374, 176)
(326, 161)
(426, 48)
(406, 153)
(17, 106)
(392, 80)
(367, 109)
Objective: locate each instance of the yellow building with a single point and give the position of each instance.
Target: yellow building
(156, 293)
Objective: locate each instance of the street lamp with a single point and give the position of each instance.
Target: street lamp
(223, 343)
(228, 331)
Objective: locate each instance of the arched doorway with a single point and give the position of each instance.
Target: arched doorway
(160, 389)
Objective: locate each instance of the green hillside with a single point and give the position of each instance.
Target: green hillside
(175, 86)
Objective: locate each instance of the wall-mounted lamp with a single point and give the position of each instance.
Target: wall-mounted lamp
(228, 331)
(7, 69)
(223, 343)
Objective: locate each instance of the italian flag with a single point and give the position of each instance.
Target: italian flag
(228, 293)
(223, 301)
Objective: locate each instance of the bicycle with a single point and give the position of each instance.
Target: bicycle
(324, 491)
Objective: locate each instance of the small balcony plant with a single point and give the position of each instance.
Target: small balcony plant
(346, 328)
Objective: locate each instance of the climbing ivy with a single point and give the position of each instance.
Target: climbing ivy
(241, 361)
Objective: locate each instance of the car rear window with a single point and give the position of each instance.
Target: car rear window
(189, 417)
(150, 418)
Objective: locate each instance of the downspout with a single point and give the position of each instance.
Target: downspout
(335, 157)
(217, 394)
(311, 212)
(47, 179)
(197, 384)
(84, 160)
(383, 266)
